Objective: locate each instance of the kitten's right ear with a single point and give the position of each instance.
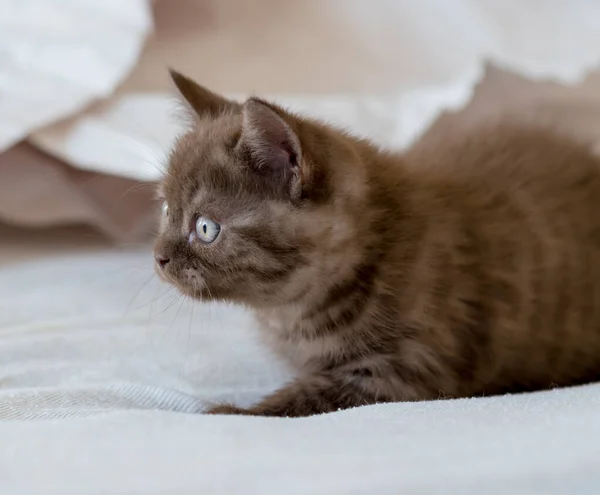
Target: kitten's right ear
(272, 146)
(202, 101)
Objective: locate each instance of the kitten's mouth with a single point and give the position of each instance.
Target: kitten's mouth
(194, 286)
(199, 295)
(189, 284)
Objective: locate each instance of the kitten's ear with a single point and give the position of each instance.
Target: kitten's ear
(201, 100)
(273, 148)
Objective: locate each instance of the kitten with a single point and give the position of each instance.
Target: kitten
(466, 267)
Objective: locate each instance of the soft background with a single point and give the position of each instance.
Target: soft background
(102, 368)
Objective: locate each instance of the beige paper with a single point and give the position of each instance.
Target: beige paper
(37, 190)
(504, 95)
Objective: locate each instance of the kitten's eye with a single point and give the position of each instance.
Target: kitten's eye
(165, 209)
(207, 230)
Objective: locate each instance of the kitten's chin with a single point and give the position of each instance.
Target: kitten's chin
(205, 294)
(197, 291)
(197, 295)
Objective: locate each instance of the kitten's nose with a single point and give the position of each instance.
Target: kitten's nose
(161, 260)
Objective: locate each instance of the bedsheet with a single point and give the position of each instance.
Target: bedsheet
(104, 373)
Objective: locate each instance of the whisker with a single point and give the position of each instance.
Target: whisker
(137, 293)
(136, 187)
(155, 300)
(187, 347)
(182, 299)
(178, 295)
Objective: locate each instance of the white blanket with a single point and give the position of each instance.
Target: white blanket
(101, 385)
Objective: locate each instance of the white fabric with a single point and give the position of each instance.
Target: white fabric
(56, 58)
(100, 384)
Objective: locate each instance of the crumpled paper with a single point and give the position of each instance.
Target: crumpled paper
(504, 95)
(98, 166)
(55, 58)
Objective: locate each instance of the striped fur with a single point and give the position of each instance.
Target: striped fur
(469, 266)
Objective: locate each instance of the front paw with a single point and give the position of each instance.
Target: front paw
(227, 409)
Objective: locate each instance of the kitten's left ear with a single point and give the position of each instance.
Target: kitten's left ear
(201, 101)
(272, 145)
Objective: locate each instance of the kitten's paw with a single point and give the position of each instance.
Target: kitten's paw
(227, 409)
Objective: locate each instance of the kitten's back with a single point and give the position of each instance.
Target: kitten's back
(520, 211)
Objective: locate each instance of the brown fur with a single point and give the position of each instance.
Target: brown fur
(469, 266)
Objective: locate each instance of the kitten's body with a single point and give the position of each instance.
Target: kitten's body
(469, 266)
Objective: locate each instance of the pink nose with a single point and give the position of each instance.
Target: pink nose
(161, 260)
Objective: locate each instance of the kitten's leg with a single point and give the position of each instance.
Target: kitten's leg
(314, 394)
(326, 392)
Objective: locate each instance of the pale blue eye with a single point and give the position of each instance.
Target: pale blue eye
(207, 230)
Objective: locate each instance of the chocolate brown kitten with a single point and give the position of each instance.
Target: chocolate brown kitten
(469, 266)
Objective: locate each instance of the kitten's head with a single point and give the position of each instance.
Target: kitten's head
(260, 206)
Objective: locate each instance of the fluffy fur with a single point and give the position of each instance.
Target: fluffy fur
(468, 266)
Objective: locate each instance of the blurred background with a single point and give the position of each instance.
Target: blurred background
(87, 111)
